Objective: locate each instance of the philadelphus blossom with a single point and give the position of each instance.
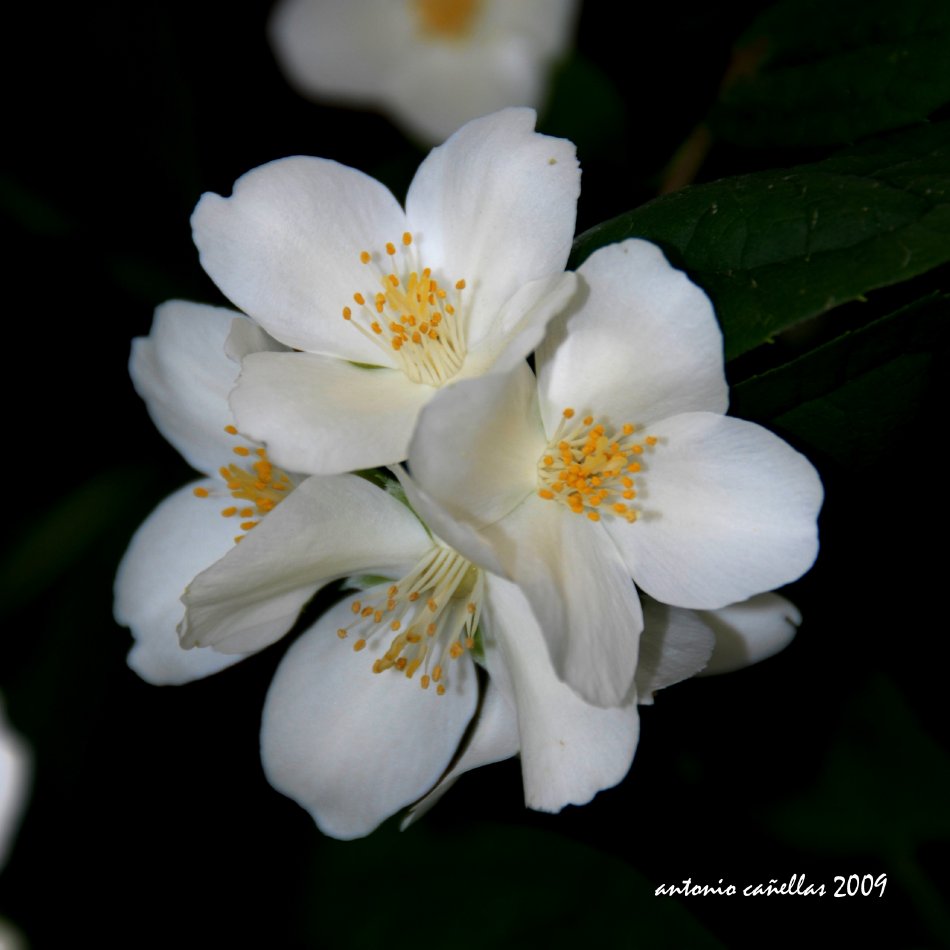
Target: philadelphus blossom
(371, 705)
(431, 64)
(385, 306)
(617, 462)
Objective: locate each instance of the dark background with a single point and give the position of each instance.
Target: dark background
(150, 820)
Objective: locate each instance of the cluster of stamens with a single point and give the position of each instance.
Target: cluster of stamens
(259, 484)
(412, 316)
(590, 471)
(433, 613)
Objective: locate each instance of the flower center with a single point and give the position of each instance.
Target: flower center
(592, 472)
(412, 316)
(433, 612)
(448, 19)
(258, 484)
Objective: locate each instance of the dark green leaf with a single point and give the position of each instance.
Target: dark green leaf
(873, 65)
(778, 247)
(849, 396)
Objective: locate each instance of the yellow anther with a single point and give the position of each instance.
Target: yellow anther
(413, 638)
(393, 279)
(431, 629)
(347, 313)
(341, 633)
(460, 285)
(401, 663)
(651, 440)
(247, 525)
(440, 689)
(359, 645)
(469, 643)
(568, 414)
(633, 467)
(470, 607)
(229, 512)
(375, 327)
(413, 666)
(365, 257)
(406, 238)
(432, 605)
(455, 651)
(366, 612)
(239, 539)
(588, 420)
(241, 450)
(201, 492)
(395, 625)
(231, 430)
(390, 248)
(356, 606)
(437, 673)
(360, 299)
(546, 493)
(414, 596)
(593, 515)
(628, 429)
(247, 512)
(377, 616)
(424, 682)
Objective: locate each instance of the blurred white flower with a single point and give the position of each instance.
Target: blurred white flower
(384, 305)
(14, 781)
(431, 64)
(617, 462)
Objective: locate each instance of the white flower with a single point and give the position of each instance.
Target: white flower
(369, 707)
(387, 305)
(14, 778)
(431, 64)
(617, 462)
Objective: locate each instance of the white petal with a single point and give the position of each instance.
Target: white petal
(751, 631)
(642, 344)
(495, 206)
(477, 444)
(182, 536)
(442, 85)
(351, 746)
(329, 527)
(729, 510)
(338, 49)
(454, 533)
(322, 415)
(182, 372)
(494, 738)
(676, 644)
(580, 592)
(570, 750)
(14, 781)
(519, 327)
(546, 24)
(285, 247)
(247, 337)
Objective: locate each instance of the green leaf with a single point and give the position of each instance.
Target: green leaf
(832, 73)
(775, 248)
(848, 397)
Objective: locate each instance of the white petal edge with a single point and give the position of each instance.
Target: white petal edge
(476, 446)
(728, 510)
(181, 537)
(570, 750)
(324, 416)
(520, 326)
(494, 738)
(750, 632)
(182, 372)
(337, 49)
(640, 343)
(285, 248)
(580, 593)
(351, 746)
(15, 768)
(329, 527)
(495, 206)
(676, 644)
